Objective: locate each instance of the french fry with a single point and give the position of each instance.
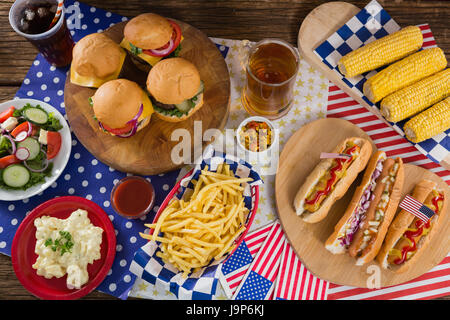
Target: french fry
(204, 224)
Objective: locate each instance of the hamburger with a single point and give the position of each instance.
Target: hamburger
(96, 59)
(175, 89)
(121, 108)
(151, 38)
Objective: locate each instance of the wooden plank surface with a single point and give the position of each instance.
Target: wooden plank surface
(232, 19)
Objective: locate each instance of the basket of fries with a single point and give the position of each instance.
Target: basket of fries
(206, 215)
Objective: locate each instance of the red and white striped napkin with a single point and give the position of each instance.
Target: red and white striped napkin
(295, 282)
(436, 282)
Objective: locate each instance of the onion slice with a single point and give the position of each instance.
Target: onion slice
(46, 162)
(162, 52)
(131, 133)
(22, 153)
(13, 143)
(136, 117)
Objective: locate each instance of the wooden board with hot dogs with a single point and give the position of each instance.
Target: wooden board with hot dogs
(338, 201)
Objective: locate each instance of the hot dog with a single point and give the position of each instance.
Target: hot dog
(344, 231)
(330, 179)
(369, 237)
(408, 236)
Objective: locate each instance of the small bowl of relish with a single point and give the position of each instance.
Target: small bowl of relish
(256, 135)
(133, 197)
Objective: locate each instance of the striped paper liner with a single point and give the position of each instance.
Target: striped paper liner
(436, 282)
(295, 282)
(236, 266)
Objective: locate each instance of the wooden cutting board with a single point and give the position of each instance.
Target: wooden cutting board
(298, 158)
(318, 26)
(149, 151)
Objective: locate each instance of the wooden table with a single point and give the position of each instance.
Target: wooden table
(232, 19)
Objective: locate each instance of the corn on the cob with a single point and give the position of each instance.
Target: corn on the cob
(381, 52)
(414, 98)
(404, 72)
(429, 123)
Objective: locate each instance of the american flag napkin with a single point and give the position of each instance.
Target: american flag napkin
(259, 281)
(295, 282)
(235, 267)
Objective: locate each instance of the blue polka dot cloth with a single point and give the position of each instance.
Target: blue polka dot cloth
(84, 175)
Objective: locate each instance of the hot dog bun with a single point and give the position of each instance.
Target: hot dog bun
(366, 242)
(337, 243)
(340, 187)
(402, 222)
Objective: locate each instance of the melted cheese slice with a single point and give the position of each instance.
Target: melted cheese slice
(92, 82)
(147, 107)
(147, 58)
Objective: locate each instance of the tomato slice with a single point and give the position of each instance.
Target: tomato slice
(53, 144)
(21, 127)
(176, 36)
(6, 114)
(8, 160)
(119, 131)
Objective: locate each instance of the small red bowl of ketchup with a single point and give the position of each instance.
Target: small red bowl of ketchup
(132, 197)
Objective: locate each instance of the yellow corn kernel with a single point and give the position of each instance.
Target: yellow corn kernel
(381, 52)
(412, 99)
(404, 73)
(429, 123)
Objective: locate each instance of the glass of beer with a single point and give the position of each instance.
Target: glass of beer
(272, 67)
(32, 19)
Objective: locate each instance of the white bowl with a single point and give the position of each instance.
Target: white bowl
(259, 119)
(59, 162)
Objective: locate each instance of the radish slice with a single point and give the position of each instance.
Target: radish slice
(30, 128)
(22, 153)
(22, 136)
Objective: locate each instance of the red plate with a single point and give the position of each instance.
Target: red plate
(23, 256)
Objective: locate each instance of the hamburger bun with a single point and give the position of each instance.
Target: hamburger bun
(148, 31)
(173, 80)
(96, 60)
(117, 102)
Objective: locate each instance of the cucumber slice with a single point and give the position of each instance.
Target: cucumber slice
(35, 115)
(32, 145)
(201, 89)
(185, 106)
(16, 176)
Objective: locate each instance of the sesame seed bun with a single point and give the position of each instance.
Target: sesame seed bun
(148, 31)
(173, 80)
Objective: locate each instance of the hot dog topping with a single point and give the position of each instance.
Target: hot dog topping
(406, 247)
(358, 215)
(381, 207)
(327, 182)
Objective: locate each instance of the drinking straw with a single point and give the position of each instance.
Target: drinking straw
(58, 13)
